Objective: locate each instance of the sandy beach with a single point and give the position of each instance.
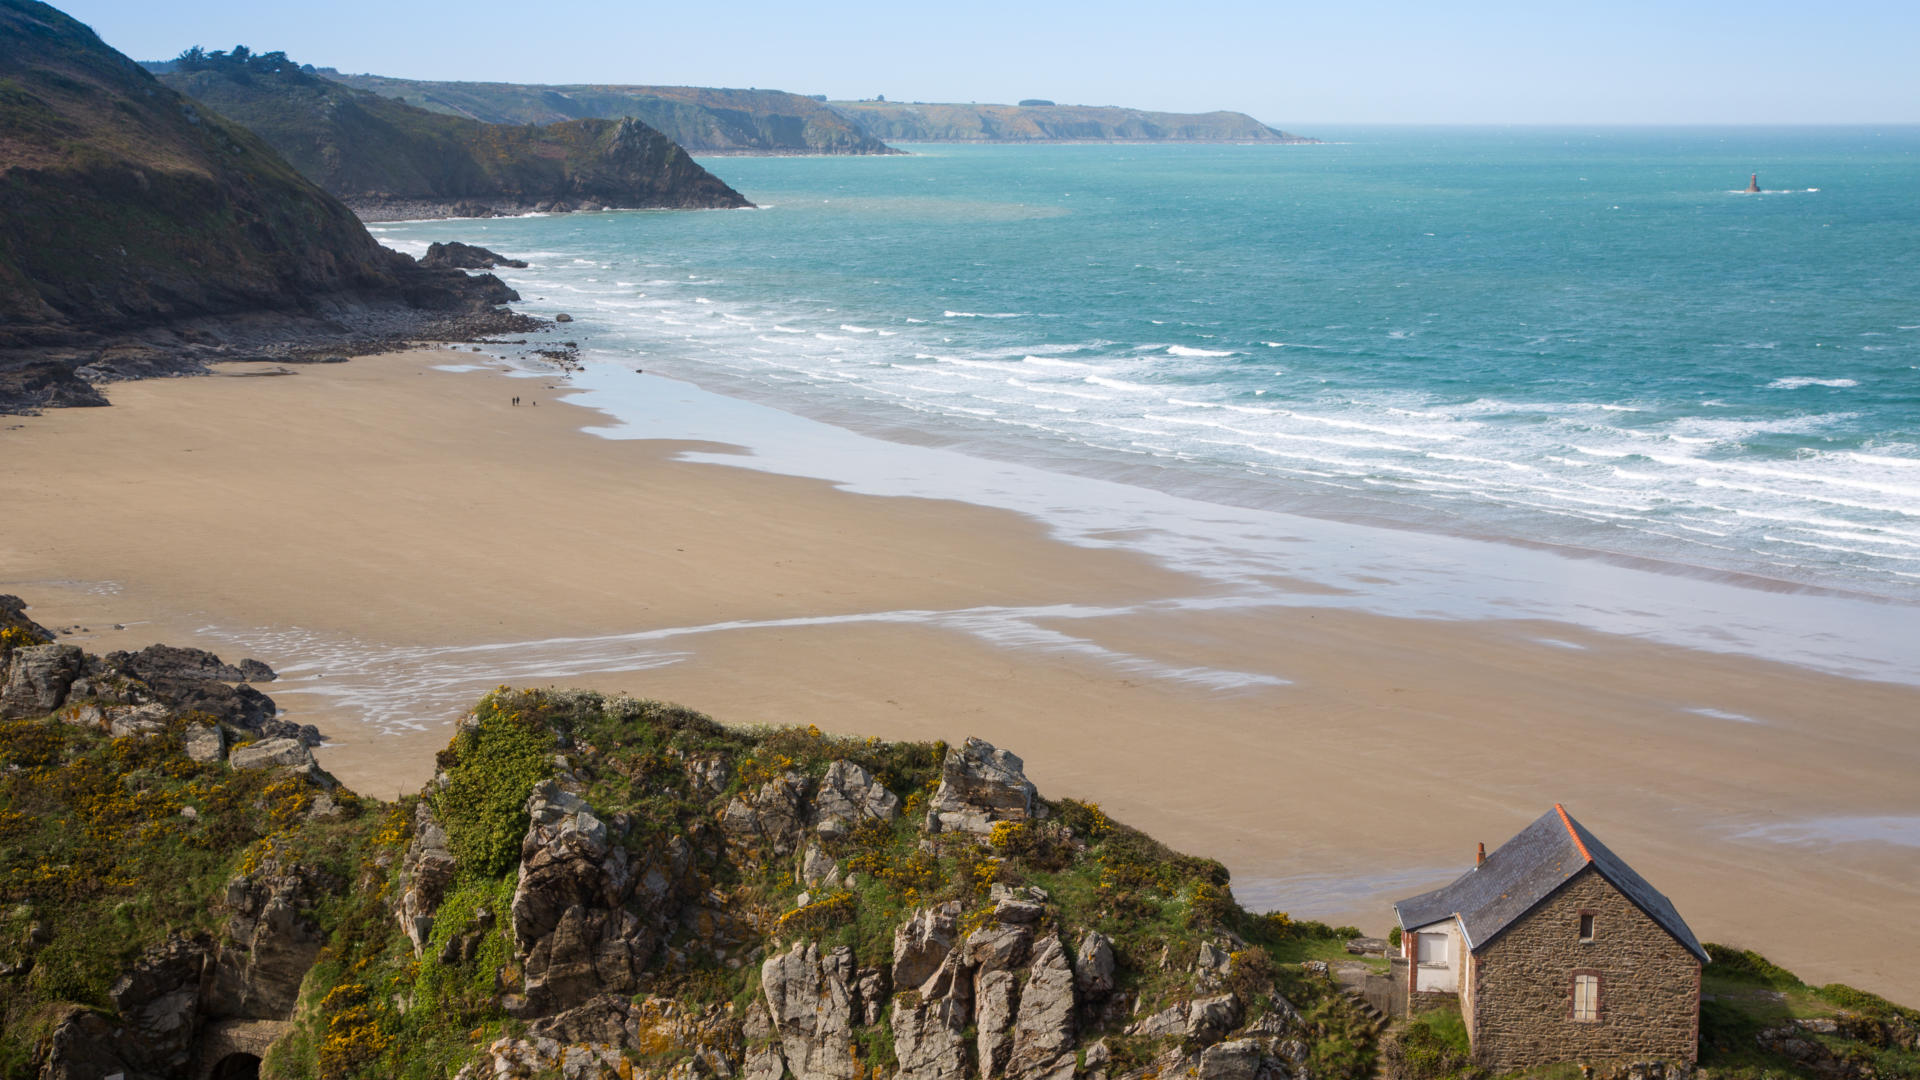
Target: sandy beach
(396, 539)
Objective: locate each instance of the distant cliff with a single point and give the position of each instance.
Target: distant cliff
(1046, 122)
(706, 121)
(125, 208)
(387, 159)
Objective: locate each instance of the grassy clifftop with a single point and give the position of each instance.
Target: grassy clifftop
(918, 122)
(608, 888)
(375, 151)
(704, 120)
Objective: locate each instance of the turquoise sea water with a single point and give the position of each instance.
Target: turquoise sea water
(1583, 338)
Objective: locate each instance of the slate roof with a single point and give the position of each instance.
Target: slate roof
(1527, 869)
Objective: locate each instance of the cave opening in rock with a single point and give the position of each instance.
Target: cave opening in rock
(236, 1067)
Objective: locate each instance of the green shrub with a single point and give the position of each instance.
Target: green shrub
(1861, 1001)
(1432, 1045)
(1745, 965)
(494, 764)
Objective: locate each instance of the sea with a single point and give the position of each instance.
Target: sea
(1588, 345)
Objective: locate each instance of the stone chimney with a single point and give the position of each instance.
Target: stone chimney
(1481, 856)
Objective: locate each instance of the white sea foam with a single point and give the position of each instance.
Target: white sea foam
(1795, 382)
(1047, 361)
(982, 314)
(1120, 384)
(1183, 350)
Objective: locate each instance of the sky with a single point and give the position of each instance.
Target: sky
(1290, 65)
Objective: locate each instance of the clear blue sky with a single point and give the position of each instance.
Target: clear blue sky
(1371, 61)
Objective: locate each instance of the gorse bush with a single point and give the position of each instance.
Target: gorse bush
(490, 769)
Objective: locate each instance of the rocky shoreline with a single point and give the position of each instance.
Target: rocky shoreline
(73, 374)
(399, 209)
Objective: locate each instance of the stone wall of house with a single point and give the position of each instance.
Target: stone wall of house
(1523, 997)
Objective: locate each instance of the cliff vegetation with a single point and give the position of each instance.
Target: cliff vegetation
(596, 887)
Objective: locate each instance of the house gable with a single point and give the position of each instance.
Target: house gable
(1541, 993)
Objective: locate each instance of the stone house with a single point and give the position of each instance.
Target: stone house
(1557, 951)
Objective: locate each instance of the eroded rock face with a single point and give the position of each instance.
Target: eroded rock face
(575, 937)
(158, 999)
(425, 872)
(996, 996)
(849, 795)
(266, 946)
(980, 785)
(593, 1041)
(1043, 1035)
(37, 679)
(810, 1003)
(929, 1025)
(997, 948)
(86, 1046)
(922, 943)
(272, 753)
(769, 820)
(1093, 966)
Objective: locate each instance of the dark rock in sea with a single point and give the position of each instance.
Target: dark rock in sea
(459, 256)
(563, 317)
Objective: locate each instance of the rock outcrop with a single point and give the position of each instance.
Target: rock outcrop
(425, 872)
(269, 941)
(168, 662)
(980, 785)
(810, 1002)
(849, 795)
(271, 754)
(38, 677)
(575, 936)
(768, 821)
(459, 256)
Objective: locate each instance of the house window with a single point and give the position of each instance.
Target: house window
(1586, 998)
(1586, 927)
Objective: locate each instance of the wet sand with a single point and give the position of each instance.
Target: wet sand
(379, 530)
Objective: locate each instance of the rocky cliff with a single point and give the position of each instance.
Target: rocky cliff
(703, 119)
(1047, 122)
(596, 887)
(128, 212)
(387, 159)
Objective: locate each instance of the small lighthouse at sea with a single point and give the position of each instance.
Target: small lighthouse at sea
(1753, 185)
